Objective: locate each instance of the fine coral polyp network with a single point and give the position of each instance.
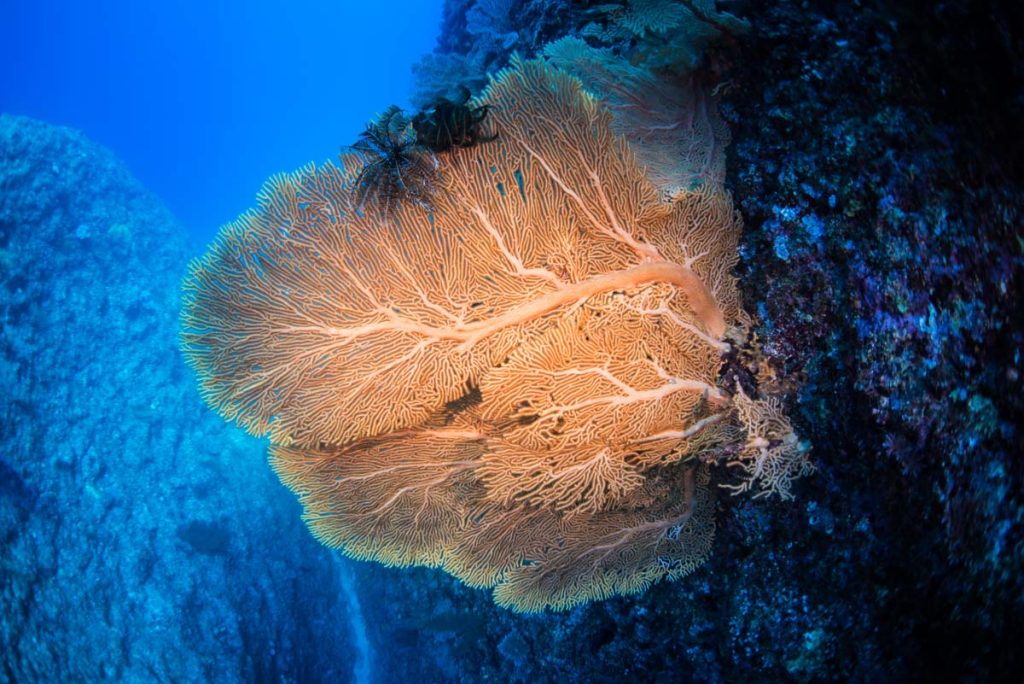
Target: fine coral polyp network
(519, 384)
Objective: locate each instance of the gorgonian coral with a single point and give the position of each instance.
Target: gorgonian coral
(515, 384)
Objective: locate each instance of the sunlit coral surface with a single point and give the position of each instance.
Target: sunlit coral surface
(511, 385)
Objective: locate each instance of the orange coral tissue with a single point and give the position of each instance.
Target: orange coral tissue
(512, 386)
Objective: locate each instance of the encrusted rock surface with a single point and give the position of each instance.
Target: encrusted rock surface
(141, 538)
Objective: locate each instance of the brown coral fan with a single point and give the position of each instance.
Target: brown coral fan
(510, 386)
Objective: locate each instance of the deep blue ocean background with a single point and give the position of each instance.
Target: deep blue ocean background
(205, 100)
(876, 158)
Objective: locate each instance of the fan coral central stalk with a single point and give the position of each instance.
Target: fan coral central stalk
(651, 272)
(512, 383)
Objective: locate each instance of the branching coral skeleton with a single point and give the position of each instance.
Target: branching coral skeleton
(772, 456)
(521, 387)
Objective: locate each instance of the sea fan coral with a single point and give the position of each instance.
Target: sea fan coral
(511, 385)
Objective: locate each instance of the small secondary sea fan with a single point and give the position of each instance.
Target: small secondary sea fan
(512, 385)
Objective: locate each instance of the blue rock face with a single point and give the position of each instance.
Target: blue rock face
(141, 538)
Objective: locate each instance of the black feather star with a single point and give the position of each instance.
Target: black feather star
(396, 168)
(446, 124)
(399, 155)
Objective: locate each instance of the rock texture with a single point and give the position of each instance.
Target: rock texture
(140, 538)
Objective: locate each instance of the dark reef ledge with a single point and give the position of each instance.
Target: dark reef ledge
(877, 162)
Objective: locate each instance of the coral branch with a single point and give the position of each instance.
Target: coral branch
(511, 384)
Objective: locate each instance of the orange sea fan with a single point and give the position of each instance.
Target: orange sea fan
(510, 386)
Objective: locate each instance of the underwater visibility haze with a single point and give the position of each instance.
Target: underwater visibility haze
(645, 340)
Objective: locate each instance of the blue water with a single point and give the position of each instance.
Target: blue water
(205, 100)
